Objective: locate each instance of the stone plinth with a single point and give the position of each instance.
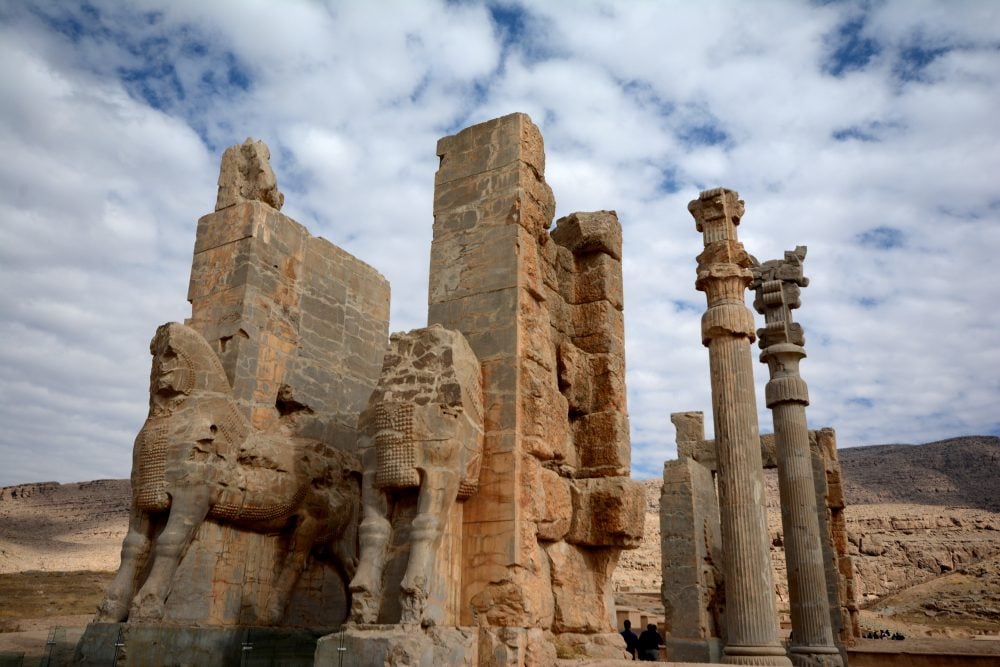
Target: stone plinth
(543, 313)
(728, 331)
(399, 645)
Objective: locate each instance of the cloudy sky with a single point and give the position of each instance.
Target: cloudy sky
(868, 131)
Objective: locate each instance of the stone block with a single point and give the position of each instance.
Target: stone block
(598, 327)
(556, 506)
(607, 511)
(585, 233)
(596, 277)
(490, 145)
(581, 586)
(602, 443)
(690, 545)
(400, 645)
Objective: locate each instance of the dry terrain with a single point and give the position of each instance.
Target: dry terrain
(923, 521)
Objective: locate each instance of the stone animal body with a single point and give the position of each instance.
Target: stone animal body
(423, 434)
(197, 458)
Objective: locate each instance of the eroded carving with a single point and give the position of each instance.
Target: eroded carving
(246, 175)
(423, 434)
(197, 458)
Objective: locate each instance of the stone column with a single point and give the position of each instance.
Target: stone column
(728, 330)
(777, 284)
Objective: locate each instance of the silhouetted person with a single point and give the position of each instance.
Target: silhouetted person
(631, 640)
(649, 643)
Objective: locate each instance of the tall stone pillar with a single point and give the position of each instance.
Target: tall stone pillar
(777, 284)
(543, 312)
(728, 330)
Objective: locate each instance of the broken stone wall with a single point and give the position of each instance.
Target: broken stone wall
(833, 525)
(543, 313)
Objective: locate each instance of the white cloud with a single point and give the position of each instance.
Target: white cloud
(641, 104)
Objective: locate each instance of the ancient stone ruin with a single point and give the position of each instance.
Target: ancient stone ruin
(459, 493)
(717, 588)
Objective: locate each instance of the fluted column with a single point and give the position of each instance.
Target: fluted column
(778, 284)
(728, 330)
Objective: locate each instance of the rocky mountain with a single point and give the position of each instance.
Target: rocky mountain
(54, 527)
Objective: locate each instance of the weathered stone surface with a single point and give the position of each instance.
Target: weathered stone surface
(289, 312)
(543, 313)
(246, 175)
(607, 511)
(197, 457)
(691, 548)
(423, 438)
(253, 422)
(588, 233)
(399, 645)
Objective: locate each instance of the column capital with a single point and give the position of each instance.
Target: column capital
(778, 284)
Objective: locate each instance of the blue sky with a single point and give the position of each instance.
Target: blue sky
(864, 130)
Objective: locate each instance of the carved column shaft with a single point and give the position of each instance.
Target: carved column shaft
(777, 284)
(728, 331)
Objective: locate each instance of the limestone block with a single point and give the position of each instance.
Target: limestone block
(556, 505)
(522, 598)
(584, 233)
(602, 443)
(581, 585)
(691, 552)
(597, 327)
(490, 145)
(246, 175)
(596, 277)
(594, 648)
(399, 645)
(607, 511)
(591, 382)
(690, 431)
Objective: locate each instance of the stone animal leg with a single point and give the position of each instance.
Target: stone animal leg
(188, 508)
(303, 539)
(114, 607)
(373, 536)
(438, 490)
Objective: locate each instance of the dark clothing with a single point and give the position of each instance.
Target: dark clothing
(649, 645)
(631, 641)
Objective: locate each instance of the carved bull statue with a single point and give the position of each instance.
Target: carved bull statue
(197, 458)
(423, 434)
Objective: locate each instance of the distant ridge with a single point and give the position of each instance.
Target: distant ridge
(957, 472)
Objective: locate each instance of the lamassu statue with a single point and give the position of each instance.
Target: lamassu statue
(422, 451)
(197, 458)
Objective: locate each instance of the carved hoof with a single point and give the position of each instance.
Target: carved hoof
(147, 608)
(112, 610)
(364, 608)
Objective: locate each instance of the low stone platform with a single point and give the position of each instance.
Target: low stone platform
(922, 652)
(127, 645)
(398, 644)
